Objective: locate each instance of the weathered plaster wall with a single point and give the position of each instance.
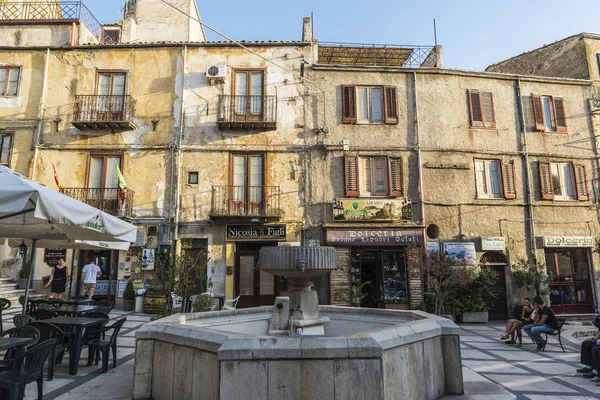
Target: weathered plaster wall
(35, 35)
(592, 46)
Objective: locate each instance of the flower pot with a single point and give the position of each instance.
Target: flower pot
(22, 282)
(127, 305)
(480, 317)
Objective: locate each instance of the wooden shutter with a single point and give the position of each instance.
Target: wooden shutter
(349, 104)
(559, 111)
(508, 180)
(391, 105)
(351, 175)
(581, 182)
(488, 109)
(396, 177)
(538, 112)
(546, 185)
(475, 108)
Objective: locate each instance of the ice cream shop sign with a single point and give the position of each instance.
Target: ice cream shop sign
(568, 241)
(379, 237)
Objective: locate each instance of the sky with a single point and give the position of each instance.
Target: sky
(473, 34)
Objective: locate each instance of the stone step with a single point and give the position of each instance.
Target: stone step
(5, 286)
(6, 280)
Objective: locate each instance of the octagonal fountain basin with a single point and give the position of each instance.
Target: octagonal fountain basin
(364, 354)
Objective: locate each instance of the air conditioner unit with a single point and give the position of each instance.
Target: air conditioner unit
(216, 73)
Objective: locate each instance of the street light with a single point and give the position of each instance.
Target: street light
(23, 249)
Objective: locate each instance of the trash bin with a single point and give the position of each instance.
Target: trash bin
(139, 301)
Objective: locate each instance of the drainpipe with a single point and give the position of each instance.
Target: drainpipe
(527, 173)
(179, 152)
(419, 156)
(36, 143)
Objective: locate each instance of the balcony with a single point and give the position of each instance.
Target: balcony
(54, 12)
(245, 201)
(247, 112)
(114, 201)
(105, 112)
(388, 55)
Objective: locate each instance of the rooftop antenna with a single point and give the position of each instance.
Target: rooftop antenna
(434, 32)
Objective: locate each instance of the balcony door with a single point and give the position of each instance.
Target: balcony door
(247, 175)
(102, 182)
(110, 92)
(249, 95)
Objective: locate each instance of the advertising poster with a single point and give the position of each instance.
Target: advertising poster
(148, 259)
(463, 252)
(432, 247)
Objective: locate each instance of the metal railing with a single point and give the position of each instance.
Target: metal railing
(96, 108)
(410, 56)
(246, 201)
(247, 108)
(114, 201)
(55, 11)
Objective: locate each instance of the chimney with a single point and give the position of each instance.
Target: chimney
(307, 30)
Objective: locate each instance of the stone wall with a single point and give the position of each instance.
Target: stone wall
(340, 280)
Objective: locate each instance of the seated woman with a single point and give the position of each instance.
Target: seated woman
(513, 326)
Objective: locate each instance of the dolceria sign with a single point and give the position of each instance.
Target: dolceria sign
(568, 241)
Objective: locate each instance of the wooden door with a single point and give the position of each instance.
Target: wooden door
(255, 288)
(499, 311)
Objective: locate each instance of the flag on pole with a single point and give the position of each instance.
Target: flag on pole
(56, 177)
(122, 184)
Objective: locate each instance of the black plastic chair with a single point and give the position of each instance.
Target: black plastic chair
(20, 332)
(91, 332)
(44, 306)
(32, 370)
(4, 304)
(49, 331)
(557, 332)
(43, 314)
(22, 319)
(105, 306)
(98, 347)
(22, 301)
(79, 297)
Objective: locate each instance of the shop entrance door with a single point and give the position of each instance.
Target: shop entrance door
(571, 287)
(497, 262)
(366, 267)
(255, 288)
(103, 260)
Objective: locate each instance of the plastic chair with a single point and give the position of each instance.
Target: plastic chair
(44, 306)
(177, 301)
(79, 297)
(49, 331)
(98, 347)
(43, 314)
(4, 304)
(22, 301)
(233, 303)
(90, 332)
(22, 319)
(32, 370)
(105, 306)
(21, 332)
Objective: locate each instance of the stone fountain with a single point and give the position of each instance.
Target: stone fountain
(297, 349)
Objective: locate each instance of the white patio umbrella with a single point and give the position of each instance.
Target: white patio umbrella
(29, 210)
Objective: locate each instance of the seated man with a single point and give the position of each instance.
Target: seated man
(588, 347)
(545, 322)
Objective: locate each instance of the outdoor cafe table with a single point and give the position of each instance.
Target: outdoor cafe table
(78, 323)
(10, 342)
(62, 302)
(74, 310)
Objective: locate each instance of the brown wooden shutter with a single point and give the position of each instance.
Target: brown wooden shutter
(391, 105)
(488, 109)
(559, 111)
(508, 180)
(475, 108)
(351, 175)
(396, 177)
(546, 185)
(581, 182)
(349, 104)
(538, 112)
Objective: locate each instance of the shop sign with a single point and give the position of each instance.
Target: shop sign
(375, 237)
(256, 232)
(463, 252)
(493, 243)
(568, 241)
(371, 209)
(432, 247)
(51, 256)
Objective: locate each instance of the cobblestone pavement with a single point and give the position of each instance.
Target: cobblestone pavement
(90, 383)
(494, 370)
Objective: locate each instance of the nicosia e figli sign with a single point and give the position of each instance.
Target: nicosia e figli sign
(568, 241)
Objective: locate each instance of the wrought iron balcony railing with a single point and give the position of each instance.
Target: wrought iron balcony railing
(19, 12)
(379, 55)
(255, 112)
(99, 112)
(114, 201)
(251, 201)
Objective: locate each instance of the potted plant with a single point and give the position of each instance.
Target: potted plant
(204, 302)
(478, 296)
(128, 297)
(358, 295)
(24, 275)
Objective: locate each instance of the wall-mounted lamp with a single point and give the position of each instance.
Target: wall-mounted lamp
(57, 122)
(155, 124)
(23, 249)
(255, 220)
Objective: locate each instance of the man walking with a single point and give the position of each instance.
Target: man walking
(545, 322)
(88, 275)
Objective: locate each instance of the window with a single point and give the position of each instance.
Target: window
(249, 90)
(111, 91)
(111, 35)
(247, 174)
(102, 174)
(495, 180)
(369, 105)
(549, 113)
(570, 288)
(481, 109)
(373, 176)
(193, 178)
(9, 81)
(563, 181)
(6, 140)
